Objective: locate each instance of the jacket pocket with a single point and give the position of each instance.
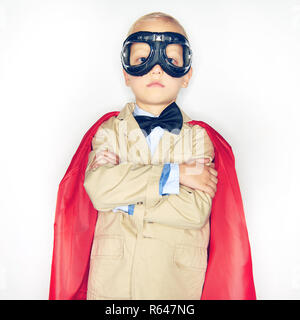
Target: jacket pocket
(190, 257)
(109, 246)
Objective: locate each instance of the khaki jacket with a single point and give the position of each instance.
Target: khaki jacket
(159, 252)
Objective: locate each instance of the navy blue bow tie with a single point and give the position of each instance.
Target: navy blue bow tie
(170, 119)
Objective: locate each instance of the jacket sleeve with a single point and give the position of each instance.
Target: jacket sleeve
(110, 185)
(190, 209)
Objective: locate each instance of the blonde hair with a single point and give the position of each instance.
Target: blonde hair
(157, 16)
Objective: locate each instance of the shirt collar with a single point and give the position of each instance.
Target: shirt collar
(141, 112)
(127, 110)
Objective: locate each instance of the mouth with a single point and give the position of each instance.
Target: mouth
(155, 84)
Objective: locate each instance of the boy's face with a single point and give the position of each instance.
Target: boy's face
(156, 95)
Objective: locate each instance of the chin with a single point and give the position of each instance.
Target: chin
(157, 102)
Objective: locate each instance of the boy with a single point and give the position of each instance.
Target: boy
(154, 196)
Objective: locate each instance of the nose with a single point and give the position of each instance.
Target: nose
(157, 69)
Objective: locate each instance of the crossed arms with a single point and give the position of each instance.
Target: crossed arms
(110, 184)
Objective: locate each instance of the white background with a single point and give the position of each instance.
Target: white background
(60, 72)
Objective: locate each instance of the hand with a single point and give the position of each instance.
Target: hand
(104, 157)
(197, 175)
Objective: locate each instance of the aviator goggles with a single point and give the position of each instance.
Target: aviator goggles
(142, 50)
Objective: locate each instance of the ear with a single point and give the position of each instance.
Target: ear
(126, 77)
(186, 78)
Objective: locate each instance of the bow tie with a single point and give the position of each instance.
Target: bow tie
(169, 119)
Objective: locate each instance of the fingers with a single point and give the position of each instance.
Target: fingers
(211, 166)
(110, 156)
(104, 157)
(213, 171)
(209, 190)
(97, 162)
(211, 174)
(213, 179)
(211, 184)
(201, 160)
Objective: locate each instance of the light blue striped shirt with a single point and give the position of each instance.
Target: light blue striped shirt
(169, 180)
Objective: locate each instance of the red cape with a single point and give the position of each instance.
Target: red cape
(229, 270)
